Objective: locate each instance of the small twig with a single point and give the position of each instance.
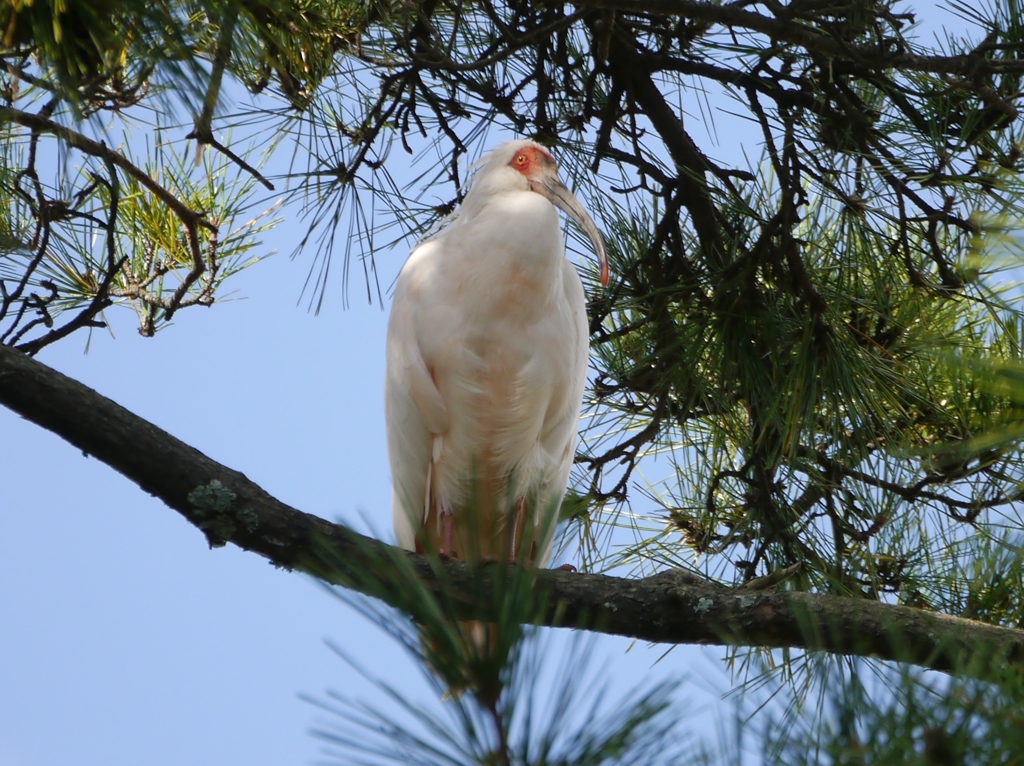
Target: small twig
(772, 579)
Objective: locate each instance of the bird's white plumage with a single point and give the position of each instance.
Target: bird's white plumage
(486, 355)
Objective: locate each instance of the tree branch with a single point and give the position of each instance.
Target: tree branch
(668, 607)
(188, 216)
(627, 68)
(190, 219)
(798, 30)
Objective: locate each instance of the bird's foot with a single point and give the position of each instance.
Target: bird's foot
(566, 568)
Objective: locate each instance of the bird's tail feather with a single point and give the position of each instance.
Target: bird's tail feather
(493, 528)
(482, 656)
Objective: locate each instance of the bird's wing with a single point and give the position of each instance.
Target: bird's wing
(561, 427)
(414, 411)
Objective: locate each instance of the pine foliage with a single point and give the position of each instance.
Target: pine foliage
(809, 360)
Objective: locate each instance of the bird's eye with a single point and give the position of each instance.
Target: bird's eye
(520, 159)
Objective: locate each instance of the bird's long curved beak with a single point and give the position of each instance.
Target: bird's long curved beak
(558, 193)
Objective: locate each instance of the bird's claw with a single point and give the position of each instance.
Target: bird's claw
(567, 568)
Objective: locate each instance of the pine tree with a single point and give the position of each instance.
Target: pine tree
(818, 347)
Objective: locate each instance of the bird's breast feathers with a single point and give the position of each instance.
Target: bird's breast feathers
(491, 317)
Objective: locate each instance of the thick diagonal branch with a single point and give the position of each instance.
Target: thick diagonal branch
(631, 73)
(668, 607)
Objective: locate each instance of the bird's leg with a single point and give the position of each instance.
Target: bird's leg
(447, 519)
(517, 529)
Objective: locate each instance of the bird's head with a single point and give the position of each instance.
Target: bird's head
(532, 163)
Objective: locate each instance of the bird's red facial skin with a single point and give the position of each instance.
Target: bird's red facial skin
(531, 161)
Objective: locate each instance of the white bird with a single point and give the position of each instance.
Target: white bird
(487, 355)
